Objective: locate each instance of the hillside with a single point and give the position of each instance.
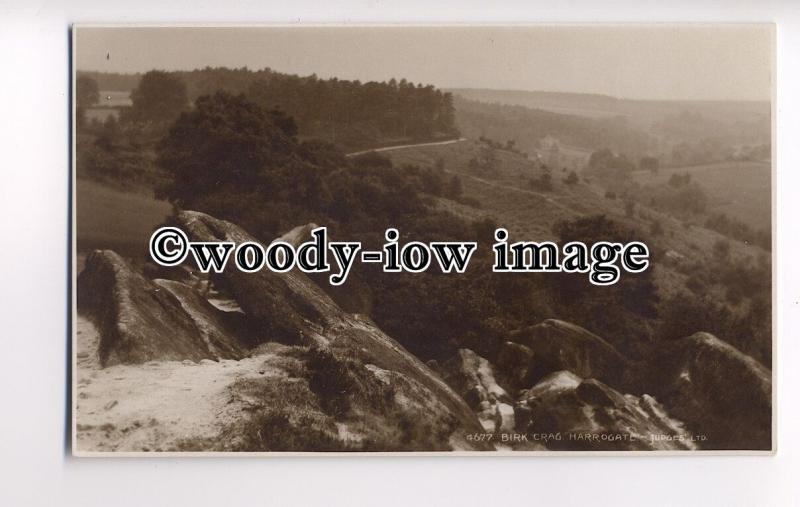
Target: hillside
(511, 195)
(740, 189)
(539, 131)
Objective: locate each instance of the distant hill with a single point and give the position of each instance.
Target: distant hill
(538, 130)
(710, 130)
(639, 112)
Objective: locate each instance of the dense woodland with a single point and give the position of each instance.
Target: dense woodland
(351, 114)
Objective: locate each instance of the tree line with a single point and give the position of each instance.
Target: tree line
(350, 113)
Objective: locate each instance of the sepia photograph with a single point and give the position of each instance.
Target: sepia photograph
(453, 240)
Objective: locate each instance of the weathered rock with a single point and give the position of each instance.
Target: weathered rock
(472, 377)
(291, 308)
(298, 235)
(353, 297)
(141, 321)
(557, 345)
(717, 390)
(223, 332)
(514, 364)
(571, 413)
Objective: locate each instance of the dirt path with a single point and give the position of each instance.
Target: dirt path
(157, 405)
(391, 148)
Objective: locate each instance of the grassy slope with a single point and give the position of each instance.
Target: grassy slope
(738, 189)
(529, 215)
(116, 219)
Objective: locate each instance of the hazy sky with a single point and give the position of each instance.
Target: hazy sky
(723, 62)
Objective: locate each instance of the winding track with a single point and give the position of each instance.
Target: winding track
(390, 148)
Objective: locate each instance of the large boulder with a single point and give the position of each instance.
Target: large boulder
(473, 378)
(717, 390)
(557, 345)
(357, 357)
(224, 332)
(566, 412)
(142, 321)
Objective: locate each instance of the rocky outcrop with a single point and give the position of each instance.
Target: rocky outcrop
(353, 297)
(515, 364)
(472, 377)
(556, 345)
(717, 390)
(287, 369)
(292, 309)
(143, 321)
(288, 307)
(225, 333)
(566, 412)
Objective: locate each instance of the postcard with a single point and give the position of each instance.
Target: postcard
(484, 240)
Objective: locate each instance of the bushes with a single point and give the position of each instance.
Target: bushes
(749, 330)
(120, 165)
(609, 167)
(572, 179)
(689, 198)
(634, 298)
(543, 183)
(332, 381)
(738, 230)
(273, 430)
(339, 384)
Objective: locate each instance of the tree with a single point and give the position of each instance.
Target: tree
(679, 180)
(86, 95)
(454, 187)
(572, 179)
(649, 164)
(160, 97)
(86, 92)
(225, 141)
(721, 250)
(609, 166)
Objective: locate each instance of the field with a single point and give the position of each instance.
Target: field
(739, 189)
(108, 105)
(114, 98)
(120, 220)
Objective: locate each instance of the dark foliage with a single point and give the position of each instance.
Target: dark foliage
(159, 97)
(351, 114)
(86, 92)
(635, 297)
(736, 229)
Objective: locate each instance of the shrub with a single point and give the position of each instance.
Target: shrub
(572, 179)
